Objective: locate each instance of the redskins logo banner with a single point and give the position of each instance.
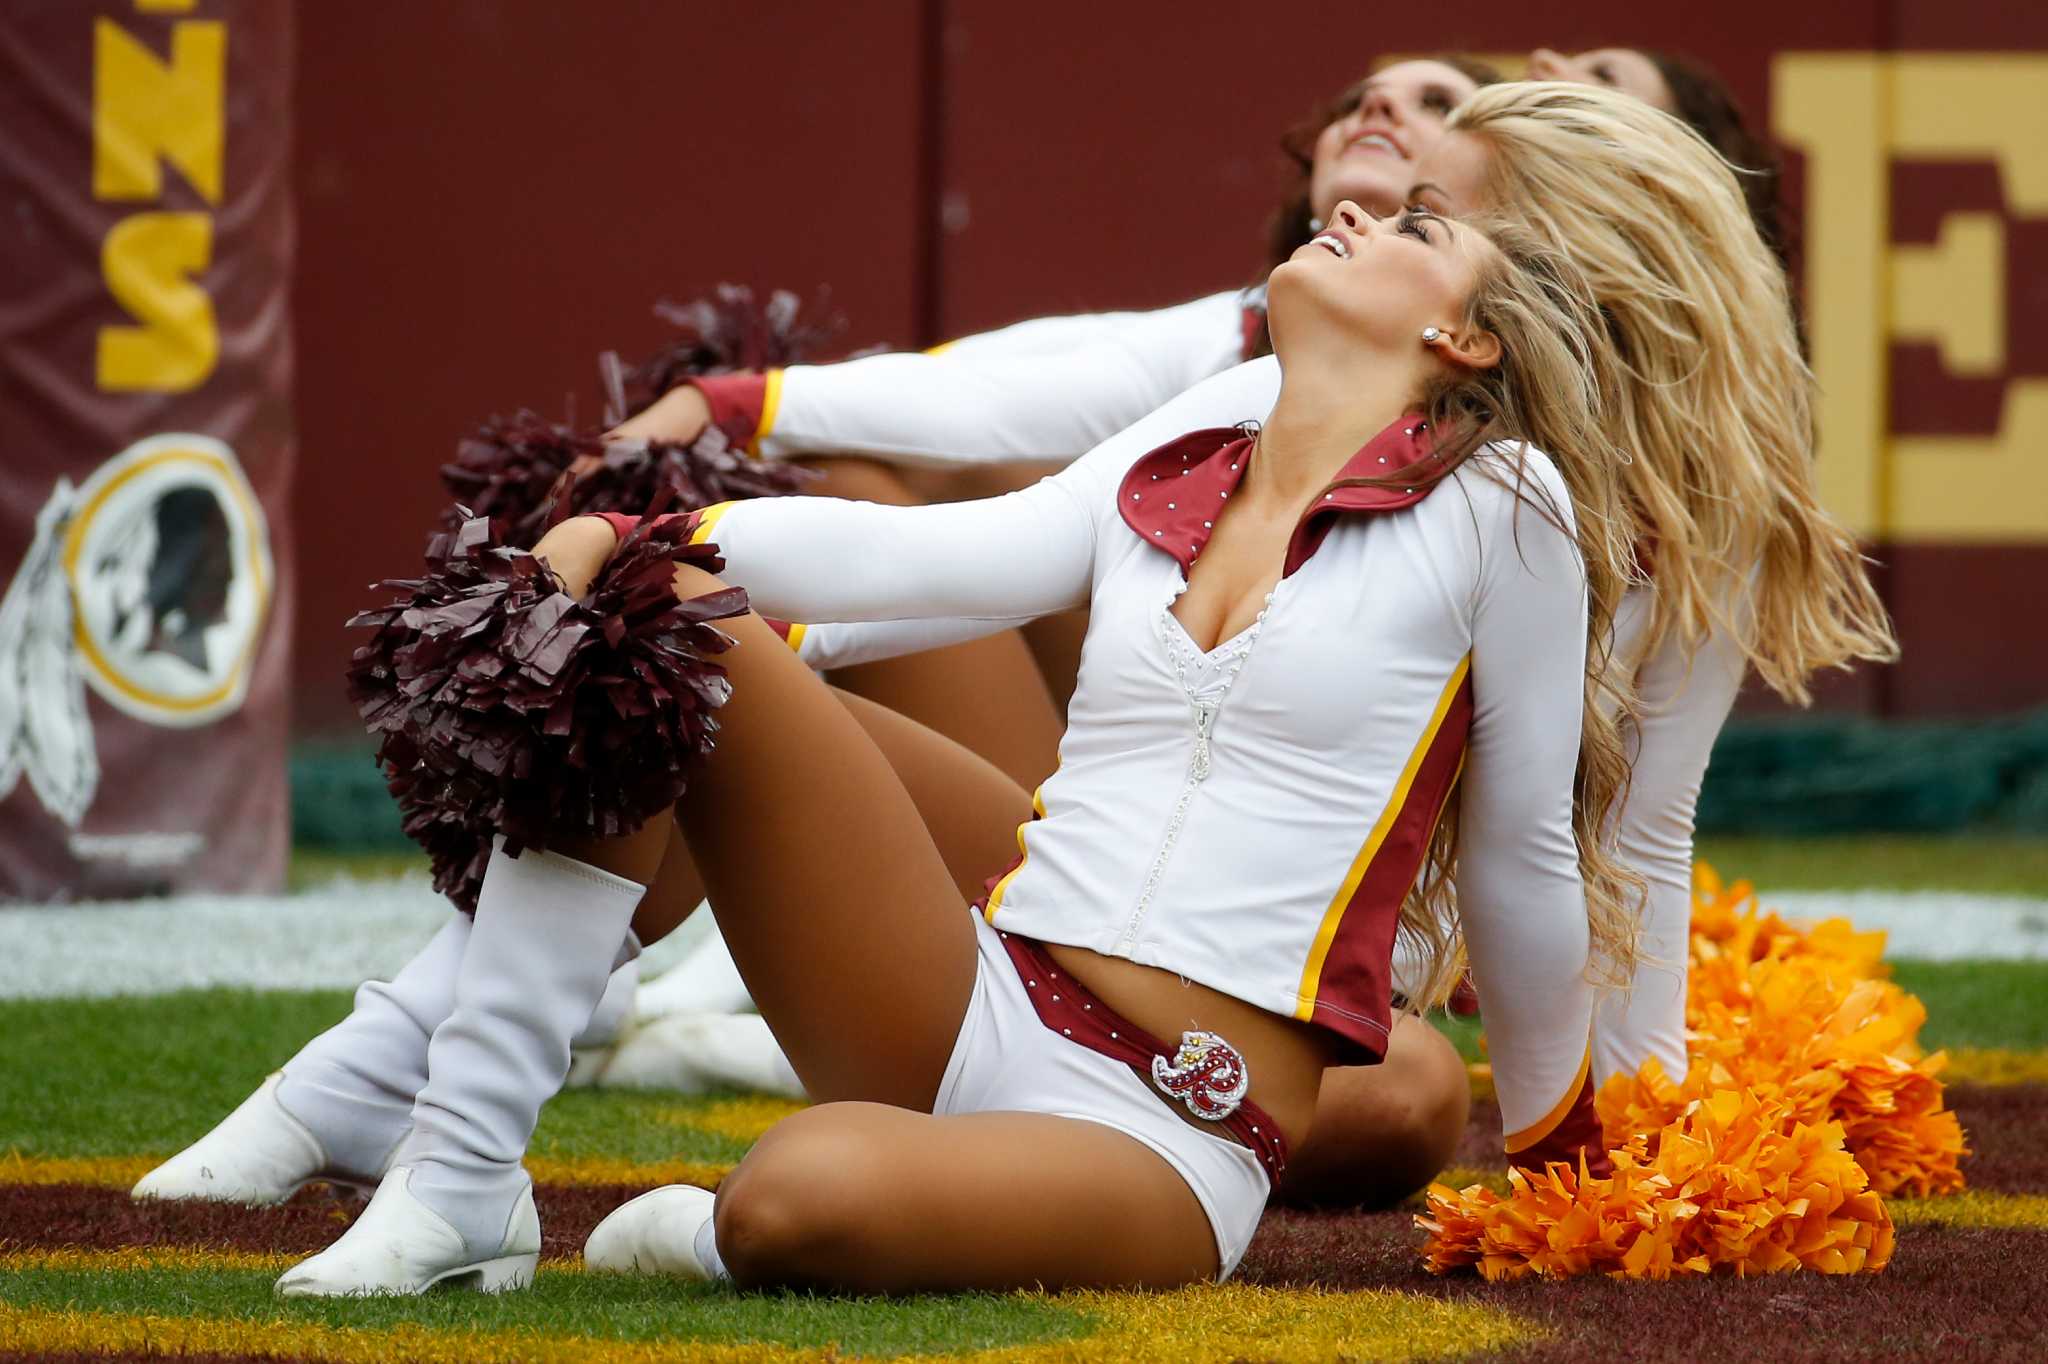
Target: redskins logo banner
(145, 584)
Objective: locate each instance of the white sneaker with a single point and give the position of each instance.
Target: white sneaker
(400, 1245)
(656, 1233)
(257, 1155)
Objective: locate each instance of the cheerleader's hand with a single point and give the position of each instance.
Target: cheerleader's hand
(680, 415)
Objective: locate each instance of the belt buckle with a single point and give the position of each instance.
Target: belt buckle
(1207, 1074)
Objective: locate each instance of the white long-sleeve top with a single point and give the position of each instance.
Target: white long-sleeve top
(1684, 695)
(1049, 389)
(1264, 851)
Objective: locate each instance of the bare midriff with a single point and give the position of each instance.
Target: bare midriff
(1284, 1056)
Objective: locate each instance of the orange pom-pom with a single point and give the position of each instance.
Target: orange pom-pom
(1802, 1014)
(1738, 1184)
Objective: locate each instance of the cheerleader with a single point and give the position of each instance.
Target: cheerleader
(1049, 389)
(1745, 568)
(1304, 642)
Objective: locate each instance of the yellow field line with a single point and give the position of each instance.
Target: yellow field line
(585, 1170)
(1207, 1322)
(174, 1259)
(1462, 1176)
(121, 1172)
(139, 1259)
(1995, 1066)
(1972, 1208)
(55, 1332)
(107, 1171)
(744, 1119)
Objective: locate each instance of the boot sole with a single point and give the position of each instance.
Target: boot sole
(155, 1196)
(505, 1274)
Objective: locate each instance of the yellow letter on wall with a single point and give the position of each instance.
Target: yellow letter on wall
(147, 262)
(145, 112)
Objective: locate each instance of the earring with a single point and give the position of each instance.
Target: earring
(1430, 334)
(1316, 224)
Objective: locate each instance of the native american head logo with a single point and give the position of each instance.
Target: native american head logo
(150, 583)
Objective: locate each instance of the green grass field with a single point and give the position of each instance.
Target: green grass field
(91, 1091)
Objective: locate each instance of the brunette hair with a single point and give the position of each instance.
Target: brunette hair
(1289, 226)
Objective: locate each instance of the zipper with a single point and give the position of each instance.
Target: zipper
(1198, 772)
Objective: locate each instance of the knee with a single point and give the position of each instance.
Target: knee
(785, 1217)
(1381, 1133)
(1439, 1098)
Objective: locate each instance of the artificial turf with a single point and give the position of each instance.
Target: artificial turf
(107, 1084)
(1983, 864)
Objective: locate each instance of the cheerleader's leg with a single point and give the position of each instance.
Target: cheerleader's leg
(1381, 1133)
(869, 1198)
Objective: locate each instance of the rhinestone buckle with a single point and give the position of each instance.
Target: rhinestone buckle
(1207, 1074)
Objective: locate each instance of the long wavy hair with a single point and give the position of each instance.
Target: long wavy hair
(1708, 396)
(1709, 108)
(1544, 393)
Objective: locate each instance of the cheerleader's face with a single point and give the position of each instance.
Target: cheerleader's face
(1617, 68)
(1378, 281)
(1368, 154)
(1451, 178)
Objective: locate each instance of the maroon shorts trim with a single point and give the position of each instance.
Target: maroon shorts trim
(1070, 1009)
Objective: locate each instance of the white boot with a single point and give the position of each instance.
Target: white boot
(546, 941)
(693, 1052)
(257, 1155)
(706, 981)
(400, 1245)
(668, 1231)
(339, 1108)
(591, 1051)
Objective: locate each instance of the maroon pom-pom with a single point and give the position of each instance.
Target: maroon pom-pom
(503, 705)
(511, 471)
(728, 331)
(512, 468)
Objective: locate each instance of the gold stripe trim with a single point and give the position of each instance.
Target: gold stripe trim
(708, 519)
(795, 639)
(1333, 917)
(1545, 1125)
(995, 897)
(771, 405)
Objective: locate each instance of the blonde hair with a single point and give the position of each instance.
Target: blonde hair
(1544, 392)
(1708, 395)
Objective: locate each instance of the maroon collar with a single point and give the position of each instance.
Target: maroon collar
(1171, 497)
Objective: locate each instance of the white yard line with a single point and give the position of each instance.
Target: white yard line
(337, 935)
(1932, 925)
(334, 936)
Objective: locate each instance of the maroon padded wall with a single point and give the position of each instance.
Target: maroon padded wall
(493, 190)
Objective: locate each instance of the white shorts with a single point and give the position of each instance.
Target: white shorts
(1007, 1060)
